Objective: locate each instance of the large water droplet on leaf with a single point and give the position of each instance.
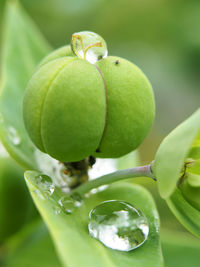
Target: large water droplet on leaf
(14, 136)
(89, 46)
(118, 225)
(45, 184)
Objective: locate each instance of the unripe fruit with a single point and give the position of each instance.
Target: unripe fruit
(74, 109)
(130, 107)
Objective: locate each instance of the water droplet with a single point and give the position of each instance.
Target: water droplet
(67, 204)
(118, 225)
(14, 136)
(51, 167)
(89, 46)
(45, 184)
(57, 210)
(78, 201)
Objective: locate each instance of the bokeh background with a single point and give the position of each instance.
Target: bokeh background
(162, 37)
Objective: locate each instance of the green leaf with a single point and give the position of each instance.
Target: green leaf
(23, 48)
(193, 179)
(185, 213)
(32, 246)
(70, 233)
(171, 154)
(180, 249)
(16, 205)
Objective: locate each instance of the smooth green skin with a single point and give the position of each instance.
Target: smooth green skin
(172, 152)
(16, 206)
(188, 215)
(65, 113)
(103, 117)
(70, 232)
(64, 51)
(23, 48)
(130, 107)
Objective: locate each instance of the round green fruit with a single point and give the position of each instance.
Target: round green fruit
(74, 109)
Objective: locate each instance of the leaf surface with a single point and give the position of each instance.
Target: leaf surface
(32, 246)
(23, 48)
(185, 213)
(172, 152)
(70, 231)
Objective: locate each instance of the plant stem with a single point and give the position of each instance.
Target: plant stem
(141, 171)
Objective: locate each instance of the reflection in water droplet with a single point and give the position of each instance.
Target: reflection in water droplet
(45, 184)
(67, 204)
(89, 46)
(14, 136)
(118, 225)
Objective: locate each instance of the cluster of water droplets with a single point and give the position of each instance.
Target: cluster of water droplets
(89, 46)
(45, 188)
(118, 225)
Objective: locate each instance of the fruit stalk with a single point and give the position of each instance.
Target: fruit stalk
(141, 171)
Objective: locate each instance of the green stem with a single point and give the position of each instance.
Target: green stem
(142, 171)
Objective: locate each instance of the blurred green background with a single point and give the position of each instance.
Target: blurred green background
(162, 37)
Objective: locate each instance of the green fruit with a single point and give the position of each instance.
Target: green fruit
(74, 109)
(130, 107)
(64, 51)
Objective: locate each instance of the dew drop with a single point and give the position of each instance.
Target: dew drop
(67, 204)
(45, 184)
(89, 46)
(57, 210)
(78, 201)
(14, 136)
(118, 225)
